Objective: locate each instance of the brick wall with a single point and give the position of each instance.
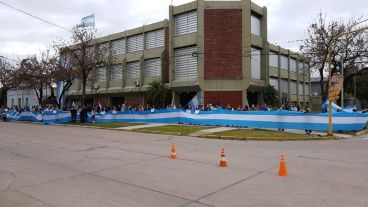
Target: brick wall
(133, 100)
(222, 44)
(223, 98)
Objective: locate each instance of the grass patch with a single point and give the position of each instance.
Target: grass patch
(103, 125)
(173, 129)
(259, 134)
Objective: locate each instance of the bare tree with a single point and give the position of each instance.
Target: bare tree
(63, 73)
(36, 73)
(6, 79)
(348, 51)
(85, 53)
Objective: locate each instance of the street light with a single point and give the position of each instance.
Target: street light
(330, 133)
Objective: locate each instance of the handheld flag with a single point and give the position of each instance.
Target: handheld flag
(196, 101)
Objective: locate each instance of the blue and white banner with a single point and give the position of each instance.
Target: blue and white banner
(350, 108)
(88, 21)
(258, 119)
(335, 107)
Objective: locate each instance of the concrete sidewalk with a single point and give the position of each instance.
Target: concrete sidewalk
(222, 129)
(314, 133)
(142, 126)
(210, 131)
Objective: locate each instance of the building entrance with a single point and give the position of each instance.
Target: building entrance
(252, 98)
(116, 101)
(185, 97)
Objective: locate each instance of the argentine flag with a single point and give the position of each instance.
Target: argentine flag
(196, 100)
(88, 21)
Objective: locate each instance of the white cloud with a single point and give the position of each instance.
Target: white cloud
(287, 19)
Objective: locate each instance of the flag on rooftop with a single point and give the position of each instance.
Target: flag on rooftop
(88, 21)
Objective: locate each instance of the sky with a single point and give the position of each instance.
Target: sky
(22, 35)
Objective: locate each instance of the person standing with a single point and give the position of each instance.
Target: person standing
(93, 115)
(83, 115)
(74, 114)
(307, 131)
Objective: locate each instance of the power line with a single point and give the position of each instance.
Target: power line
(36, 17)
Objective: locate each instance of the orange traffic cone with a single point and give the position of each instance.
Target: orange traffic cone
(282, 169)
(223, 162)
(173, 151)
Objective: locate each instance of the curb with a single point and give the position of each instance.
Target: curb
(268, 138)
(361, 132)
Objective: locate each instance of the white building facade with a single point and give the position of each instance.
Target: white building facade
(24, 97)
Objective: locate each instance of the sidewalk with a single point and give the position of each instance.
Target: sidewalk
(210, 131)
(222, 129)
(142, 126)
(314, 133)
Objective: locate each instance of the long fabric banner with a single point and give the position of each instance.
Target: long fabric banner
(257, 119)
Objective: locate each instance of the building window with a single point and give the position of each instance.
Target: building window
(135, 43)
(20, 102)
(12, 102)
(116, 72)
(284, 62)
(292, 65)
(293, 87)
(133, 70)
(300, 68)
(104, 48)
(152, 67)
(118, 47)
(256, 63)
(255, 25)
(300, 88)
(155, 39)
(274, 59)
(306, 89)
(185, 62)
(185, 23)
(306, 70)
(65, 61)
(101, 74)
(284, 86)
(275, 83)
(27, 101)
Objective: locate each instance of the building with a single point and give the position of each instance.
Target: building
(24, 97)
(218, 48)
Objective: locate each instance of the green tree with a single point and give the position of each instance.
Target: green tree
(157, 93)
(270, 96)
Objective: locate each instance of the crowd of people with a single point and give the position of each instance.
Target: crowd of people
(253, 107)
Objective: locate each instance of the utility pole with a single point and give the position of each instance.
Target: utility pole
(342, 87)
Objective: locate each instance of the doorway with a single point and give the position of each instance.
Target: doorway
(252, 98)
(185, 97)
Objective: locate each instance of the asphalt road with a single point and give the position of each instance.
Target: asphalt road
(82, 167)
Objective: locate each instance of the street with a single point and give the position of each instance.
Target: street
(59, 166)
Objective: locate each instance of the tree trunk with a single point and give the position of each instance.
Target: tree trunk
(52, 94)
(3, 96)
(83, 91)
(40, 96)
(322, 87)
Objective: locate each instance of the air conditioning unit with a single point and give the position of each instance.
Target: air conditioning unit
(137, 83)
